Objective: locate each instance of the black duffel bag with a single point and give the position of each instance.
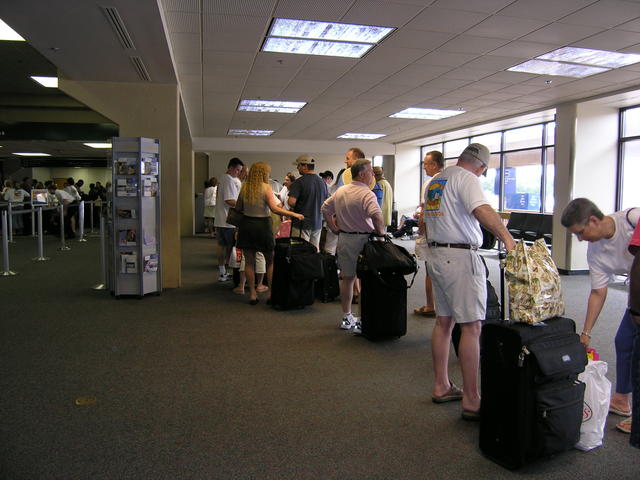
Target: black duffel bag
(380, 255)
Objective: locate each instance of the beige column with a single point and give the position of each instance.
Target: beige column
(187, 200)
(146, 110)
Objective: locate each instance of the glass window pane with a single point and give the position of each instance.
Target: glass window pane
(493, 141)
(454, 148)
(630, 174)
(631, 122)
(549, 201)
(523, 137)
(377, 161)
(522, 175)
(551, 134)
(491, 183)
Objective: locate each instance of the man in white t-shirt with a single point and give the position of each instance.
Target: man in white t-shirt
(65, 199)
(226, 196)
(454, 205)
(607, 256)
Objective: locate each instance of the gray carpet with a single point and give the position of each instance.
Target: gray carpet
(197, 384)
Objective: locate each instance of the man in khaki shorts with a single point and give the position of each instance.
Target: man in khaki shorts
(454, 205)
(357, 215)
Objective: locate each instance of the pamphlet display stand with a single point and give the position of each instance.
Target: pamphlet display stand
(135, 217)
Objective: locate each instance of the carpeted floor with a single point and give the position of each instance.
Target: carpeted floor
(197, 384)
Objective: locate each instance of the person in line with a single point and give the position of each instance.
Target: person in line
(454, 209)
(634, 310)
(283, 195)
(433, 165)
(226, 197)
(255, 234)
(352, 213)
(210, 193)
(306, 196)
(607, 256)
(327, 177)
(65, 199)
(386, 201)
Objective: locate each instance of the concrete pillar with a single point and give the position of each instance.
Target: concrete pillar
(146, 110)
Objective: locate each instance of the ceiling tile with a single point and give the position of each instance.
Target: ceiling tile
(472, 44)
(494, 62)
(561, 33)
(610, 40)
(415, 75)
(447, 59)
(445, 20)
(380, 12)
(182, 22)
(482, 6)
(605, 13)
(524, 49)
(467, 73)
(192, 6)
(499, 26)
(239, 7)
(388, 59)
(544, 9)
(412, 38)
(327, 10)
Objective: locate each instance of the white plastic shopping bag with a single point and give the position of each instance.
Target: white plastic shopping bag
(596, 404)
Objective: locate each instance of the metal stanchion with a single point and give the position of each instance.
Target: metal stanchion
(40, 257)
(103, 257)
(6, 271)
(81, 221)
(92, 206)
(33, 221)
(10, 231)
(63, 245)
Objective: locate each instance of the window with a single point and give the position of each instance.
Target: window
(521, 172)
(629, 159)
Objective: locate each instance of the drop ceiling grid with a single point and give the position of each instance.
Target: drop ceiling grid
(610, 40)
(183, 22)
(381, 13)
(239, 7)
(192, 6)
(604, 13)
(326, 10)
(545, 9)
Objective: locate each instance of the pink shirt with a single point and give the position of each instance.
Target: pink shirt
(353, 205)
(634, 244)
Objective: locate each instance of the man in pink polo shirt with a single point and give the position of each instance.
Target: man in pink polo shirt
(357, 215)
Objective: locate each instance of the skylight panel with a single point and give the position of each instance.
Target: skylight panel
(309, 37)
(587, 56)
(257, 133)
(344, 32)
(276, 106)
(316, 47)
(97, 145)
(426, 113)
(49, 82)
(8, 33)
(362, 136)
(543, 67)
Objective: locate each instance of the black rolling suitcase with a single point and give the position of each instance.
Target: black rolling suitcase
(287, 293)
(327, 289)
(383, 305)
(532, 400)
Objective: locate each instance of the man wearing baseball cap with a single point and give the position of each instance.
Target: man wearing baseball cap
(455, 207)
(306, 196)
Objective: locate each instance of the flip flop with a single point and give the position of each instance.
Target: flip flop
(471, 415)
(624, 426)
(425, 312)
(454, 394)
(617, 411)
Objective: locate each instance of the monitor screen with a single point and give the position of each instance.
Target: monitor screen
(39, 197)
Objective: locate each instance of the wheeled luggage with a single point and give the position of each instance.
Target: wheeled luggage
(531, 403)
(383, 305)
(327, 289)
(287, 292)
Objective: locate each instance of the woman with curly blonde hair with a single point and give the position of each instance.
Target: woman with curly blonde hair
(257, 201)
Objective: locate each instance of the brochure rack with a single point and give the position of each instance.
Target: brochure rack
(134, 227)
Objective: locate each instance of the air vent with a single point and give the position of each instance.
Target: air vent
(118, 27)
(138, 64)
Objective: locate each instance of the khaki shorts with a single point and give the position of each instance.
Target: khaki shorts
(349, 247)
(459, 283)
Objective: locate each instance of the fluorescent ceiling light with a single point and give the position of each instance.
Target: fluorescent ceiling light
(586, 56)
(30, 154)
(316, 47)
(49, 82)
(542, 67)
(362, 136)
(344, 32)
(98, 145)
(308, 37)
(8, 33)
(276, 106)
(426, 113)
(257, 133)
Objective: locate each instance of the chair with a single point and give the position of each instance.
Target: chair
(515, 224)
(531, 227)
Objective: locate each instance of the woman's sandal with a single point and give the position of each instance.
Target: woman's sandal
(425, 312)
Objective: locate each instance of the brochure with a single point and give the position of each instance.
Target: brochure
(126, 212)
(128, 262)
(125, 166)
(126, 187)
(127, 238)
(151, 263)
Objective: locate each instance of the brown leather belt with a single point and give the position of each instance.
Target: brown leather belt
(465, 246)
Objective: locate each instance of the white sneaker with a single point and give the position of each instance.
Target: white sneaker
(225, 277)
(357, 328)
(348, 322)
